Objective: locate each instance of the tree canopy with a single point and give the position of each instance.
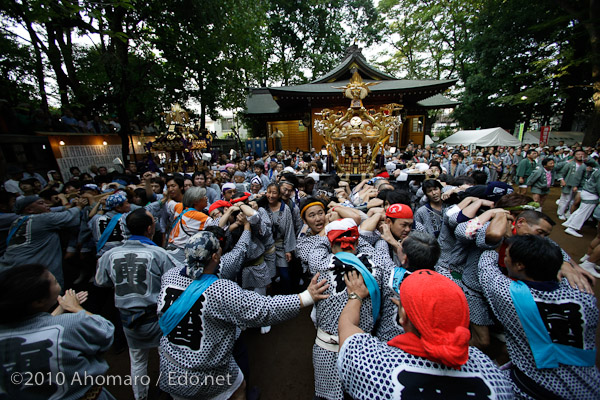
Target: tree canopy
(210, 51)
(515, 61)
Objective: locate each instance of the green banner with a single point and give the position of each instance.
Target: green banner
(521, 129)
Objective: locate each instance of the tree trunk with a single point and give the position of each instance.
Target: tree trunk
(202, 116)
(55, 58)
(592, 133)
(529, 113)
(123, 96)
(570, 83)
(66, 49)
(588, 13)
(37, 46)
(202, 104)
(284, 66)
(569, 111)
(117, 71)
(39, 66)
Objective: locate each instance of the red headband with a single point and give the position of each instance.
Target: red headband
(425, 295)
(218, 204)
(398, 210)
(242, 198)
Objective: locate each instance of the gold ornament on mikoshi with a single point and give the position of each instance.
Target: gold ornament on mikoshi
(182, 143)
(177, 116)
(355, 138)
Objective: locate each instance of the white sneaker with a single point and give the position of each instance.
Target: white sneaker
(562, 217)
(584, 258)
(265, 329)
(573, 232)
(591, 268)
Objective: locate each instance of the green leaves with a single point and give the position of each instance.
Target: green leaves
(17, 71)
(522, 50)
(147, 54)
(500, 50)
(426, 37)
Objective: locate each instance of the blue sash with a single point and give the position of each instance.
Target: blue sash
(142, 239)
(179, 218)
(16, 228)
(179, 309)
(397, 278)
(545, 353)
(370, 281)
(107, 232)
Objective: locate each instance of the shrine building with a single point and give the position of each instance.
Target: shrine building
(294, 109)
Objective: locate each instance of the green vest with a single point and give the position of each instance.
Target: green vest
(572, 175)
(592, 185)
(525, 168)
(538, 181)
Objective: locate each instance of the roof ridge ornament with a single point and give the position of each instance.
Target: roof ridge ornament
(353, 48)
(356, 90)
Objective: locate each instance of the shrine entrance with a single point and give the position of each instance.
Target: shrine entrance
(295, 135)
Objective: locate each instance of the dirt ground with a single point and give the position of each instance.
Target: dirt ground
(281, 361)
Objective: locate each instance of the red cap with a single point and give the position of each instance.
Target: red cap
(398, 210)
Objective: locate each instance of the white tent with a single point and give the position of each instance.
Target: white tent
(528, 138)
(428, 140)
(482, 138)
(569, 138)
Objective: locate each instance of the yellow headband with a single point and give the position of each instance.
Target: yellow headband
(306, 207)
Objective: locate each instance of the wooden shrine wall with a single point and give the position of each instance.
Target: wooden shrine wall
(295, 135)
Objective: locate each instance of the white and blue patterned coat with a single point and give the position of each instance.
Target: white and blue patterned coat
(566, 381)
(201, 345)
(370, 369)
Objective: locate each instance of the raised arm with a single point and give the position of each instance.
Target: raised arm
(371, 223)
(224, 220)
(147, 177)
(358, 187)
(246, 308)
(470, 211)
(498, 225)
(350, 316)
(233, 260)
(348, 212)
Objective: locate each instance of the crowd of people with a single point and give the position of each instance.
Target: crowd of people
(433, 278)
(26, 118)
